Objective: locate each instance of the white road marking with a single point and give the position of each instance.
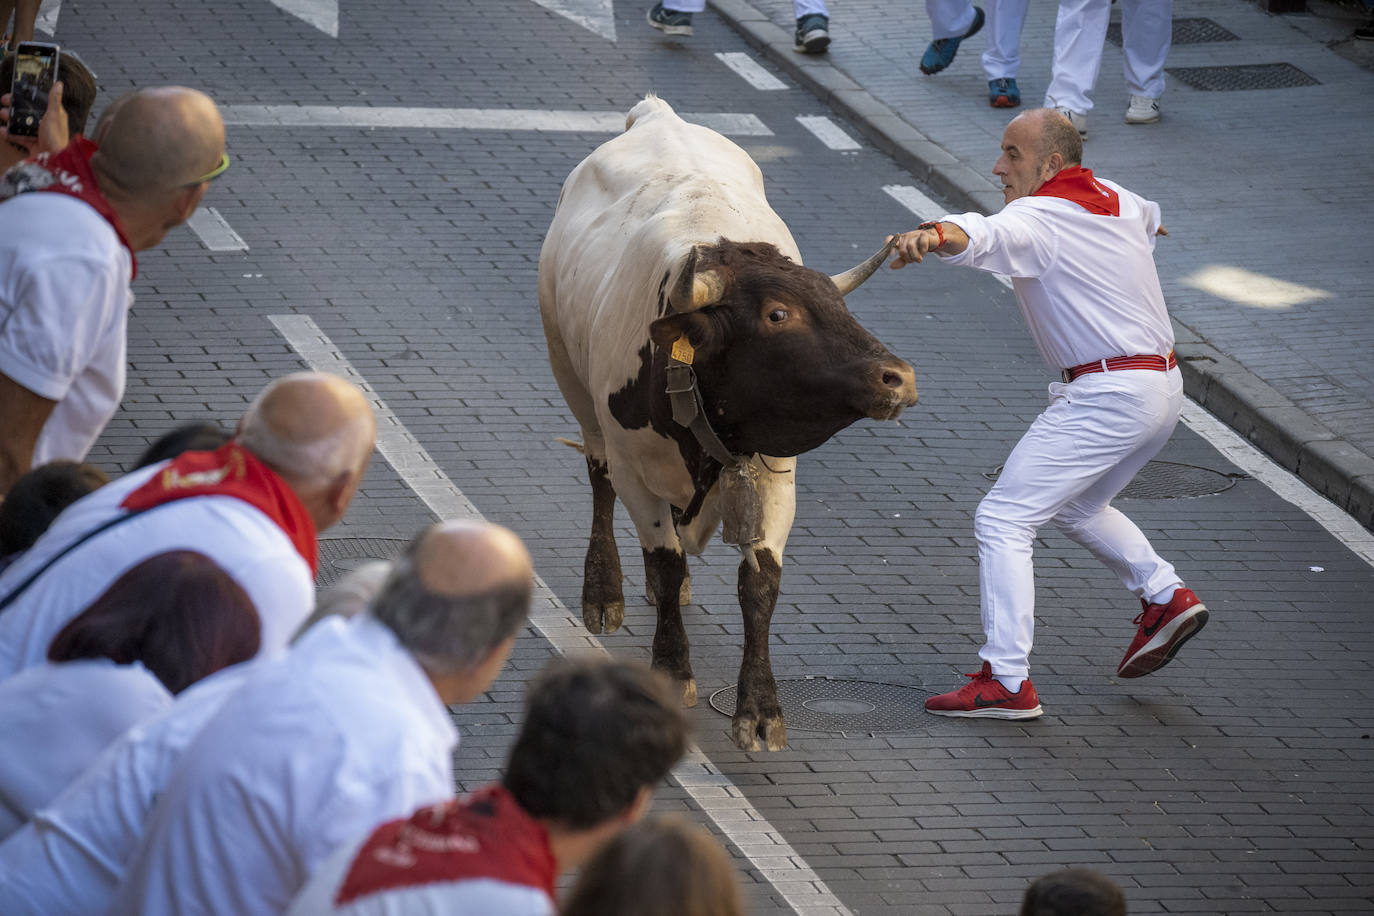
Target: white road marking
(828, 132)
(322, 14)
(591, 122)
(750, 70)
(595, 16)
(925, 210)
(214, 231)
(46, 21)
(761, 843)
(1239, 452)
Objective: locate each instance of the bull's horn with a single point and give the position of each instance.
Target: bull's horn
(696, 289)
(852, 278)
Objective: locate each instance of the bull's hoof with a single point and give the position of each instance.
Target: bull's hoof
(747, 730)
(684, 594)
(603, 618)
(688, 689)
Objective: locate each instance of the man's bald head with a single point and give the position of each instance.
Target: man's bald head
(461, 589)
(311, 428)
(1054, 134)
(160, 140)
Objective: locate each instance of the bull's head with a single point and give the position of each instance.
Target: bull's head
(781, 363)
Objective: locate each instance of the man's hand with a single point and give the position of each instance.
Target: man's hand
(913, 246)
(1161, 230)
(53, 131)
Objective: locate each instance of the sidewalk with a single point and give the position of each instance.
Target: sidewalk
(1265, 192)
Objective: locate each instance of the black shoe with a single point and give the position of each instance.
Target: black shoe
(670, 22)
(813, 34)
(1366, 33)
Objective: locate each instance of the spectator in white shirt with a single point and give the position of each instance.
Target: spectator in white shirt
(597, 737)
(350, 730)
(70, 858)
(1080, 253)
(165, 624)
(253, 506)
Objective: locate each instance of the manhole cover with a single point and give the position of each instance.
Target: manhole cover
(824, 704)
(339, 555)
(1185, 32)
(1167, 480)
(1245, 76)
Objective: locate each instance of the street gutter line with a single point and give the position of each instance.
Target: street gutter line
(719, 798)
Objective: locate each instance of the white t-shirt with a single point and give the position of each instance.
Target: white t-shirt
(1086, 283)
(64, 304)
(242, 540)
(57, 718)
(70, 858)
(346, 732)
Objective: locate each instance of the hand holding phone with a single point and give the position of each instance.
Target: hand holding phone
(53, 130)
(35, 72)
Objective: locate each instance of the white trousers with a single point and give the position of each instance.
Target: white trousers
(1092, 439)
(1002, 58)
(800, 8)
(1079, 31)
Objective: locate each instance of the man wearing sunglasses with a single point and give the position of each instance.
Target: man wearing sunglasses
(74, 218)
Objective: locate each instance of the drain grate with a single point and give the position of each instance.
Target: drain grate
(1242, 77)
(825, 704)
(1167, 480)
(339, 555)
(1185, 32)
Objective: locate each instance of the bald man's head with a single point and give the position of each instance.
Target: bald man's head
(312, 428)
(159, 140)
(461, 589)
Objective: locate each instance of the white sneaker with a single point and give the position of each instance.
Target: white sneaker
(1080, 121)
(1142, 110)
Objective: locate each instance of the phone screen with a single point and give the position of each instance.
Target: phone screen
(35, 70)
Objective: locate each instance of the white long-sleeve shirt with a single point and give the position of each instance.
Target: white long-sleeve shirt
(1086, 283)
(345, 733)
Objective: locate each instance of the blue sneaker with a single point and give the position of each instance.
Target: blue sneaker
(941, 52)
(813, 34)
(1003, 93)
(670, 22)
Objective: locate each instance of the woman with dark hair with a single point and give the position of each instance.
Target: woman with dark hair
(163, 625)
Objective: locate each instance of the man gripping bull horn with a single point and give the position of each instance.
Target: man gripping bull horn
(1080, 252)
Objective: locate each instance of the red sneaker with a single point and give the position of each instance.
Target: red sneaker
(1164, 628)
(985, 698)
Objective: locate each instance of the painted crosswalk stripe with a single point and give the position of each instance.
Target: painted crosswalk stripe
(508, 119)
(828, 132)
(750, 70)
(924, 209)
(214, 231)
(719, 798)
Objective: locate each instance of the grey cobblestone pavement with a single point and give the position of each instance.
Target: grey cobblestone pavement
(1239, 779)
(1264, 192)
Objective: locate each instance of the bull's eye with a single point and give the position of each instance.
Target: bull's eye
(777, 316)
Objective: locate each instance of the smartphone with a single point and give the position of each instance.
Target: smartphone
(35, 70)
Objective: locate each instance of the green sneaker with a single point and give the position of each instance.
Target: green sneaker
(670, 22)
(813, 34)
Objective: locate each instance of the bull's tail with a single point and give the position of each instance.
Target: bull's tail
(581, 449)
(651, 104)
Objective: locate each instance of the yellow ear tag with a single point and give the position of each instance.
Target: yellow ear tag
(683, 351)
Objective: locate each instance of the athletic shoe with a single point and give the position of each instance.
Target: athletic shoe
(670, 22)
(813, 34)
(1142, 110)
(983, 697)
(1164, 628)
(940, 53)
(1003, 93)
(1080, 121)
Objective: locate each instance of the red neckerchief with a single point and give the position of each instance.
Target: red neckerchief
(1078, 185)
(485, 836)
(72, 175)
(232, 471)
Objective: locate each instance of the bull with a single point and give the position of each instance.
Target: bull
(699, 358)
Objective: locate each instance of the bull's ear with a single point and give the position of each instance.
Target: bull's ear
(699, 330)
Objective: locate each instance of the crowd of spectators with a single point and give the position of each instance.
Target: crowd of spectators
(188, 726)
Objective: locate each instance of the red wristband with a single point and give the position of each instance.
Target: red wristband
(940, 233)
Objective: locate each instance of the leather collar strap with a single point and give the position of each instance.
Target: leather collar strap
(690, 412)
(1118, 363)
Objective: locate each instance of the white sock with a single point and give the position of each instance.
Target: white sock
(1010, 681)
(1167, 595)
